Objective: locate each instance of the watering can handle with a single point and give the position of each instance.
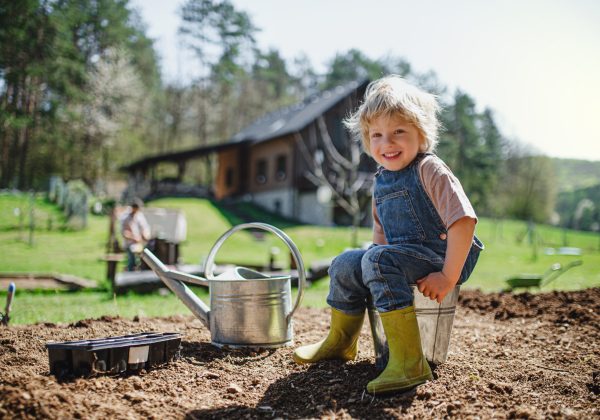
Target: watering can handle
(209, 266)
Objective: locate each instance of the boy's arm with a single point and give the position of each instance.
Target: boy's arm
(460, 237)
(378, 234)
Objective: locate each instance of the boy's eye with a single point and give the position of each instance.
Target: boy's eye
(373, 135)
(399, 131)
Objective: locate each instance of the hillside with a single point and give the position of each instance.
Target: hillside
(575, 174)
(579, 209)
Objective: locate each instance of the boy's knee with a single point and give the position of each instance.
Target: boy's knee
(381, 261)
(345, 270)
(345, 264)
(386, 255)
(370, 261)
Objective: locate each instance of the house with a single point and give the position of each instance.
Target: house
(268, 162)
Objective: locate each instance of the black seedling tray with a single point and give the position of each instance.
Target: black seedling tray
(113, 354)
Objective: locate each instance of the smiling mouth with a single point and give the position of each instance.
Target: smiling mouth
(391, 155)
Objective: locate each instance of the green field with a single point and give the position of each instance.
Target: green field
(509, 251)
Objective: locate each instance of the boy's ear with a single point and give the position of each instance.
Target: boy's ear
(422, 143)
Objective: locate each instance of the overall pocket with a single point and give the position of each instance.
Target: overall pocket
(398, 218)
(476, 248)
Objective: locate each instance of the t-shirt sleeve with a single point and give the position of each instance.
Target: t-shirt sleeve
(445, 191)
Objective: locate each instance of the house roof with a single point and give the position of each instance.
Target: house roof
(272, 125)
(295, 117)
(174, 156)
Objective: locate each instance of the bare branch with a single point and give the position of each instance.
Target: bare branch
(360, 181)
(303, 149)
(330, 148)
(336, 172)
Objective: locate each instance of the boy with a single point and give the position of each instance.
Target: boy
(423, 233)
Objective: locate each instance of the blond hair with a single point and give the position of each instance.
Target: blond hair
(393, 96)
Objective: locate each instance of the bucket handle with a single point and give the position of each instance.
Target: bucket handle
(209, 265)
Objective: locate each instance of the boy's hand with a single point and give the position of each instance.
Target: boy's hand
(435, 286)
(460, 236)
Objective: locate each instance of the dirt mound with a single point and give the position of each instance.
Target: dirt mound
(559, 307)
(511, 356)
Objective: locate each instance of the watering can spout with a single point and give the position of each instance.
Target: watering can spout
(175, 281)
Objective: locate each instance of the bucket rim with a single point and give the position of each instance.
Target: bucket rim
(273, 278)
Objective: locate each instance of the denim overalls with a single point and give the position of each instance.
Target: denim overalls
(416, 247)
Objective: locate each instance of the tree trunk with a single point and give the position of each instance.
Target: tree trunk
(28, 132)
(5, 138)
(355, 226)
(12, 139)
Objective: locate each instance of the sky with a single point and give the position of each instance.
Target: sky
(535, 63)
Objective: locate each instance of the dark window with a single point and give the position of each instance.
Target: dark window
(281, 168)
(229, 177)
(261, 171)
(338, 134)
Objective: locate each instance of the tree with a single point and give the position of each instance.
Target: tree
(354, 65)
(50, 51)
(26, 36)
(216, 31)
(97, 37)
(302, 70)
(580, 208)
(116, 92)
(528, 184)
(350, 66)
(472, 146)
(220, 36)
(490, 159)
(336, 172)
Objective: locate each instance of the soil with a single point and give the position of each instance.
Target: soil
(511, 356)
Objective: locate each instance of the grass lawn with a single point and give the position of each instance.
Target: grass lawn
(56, 250)
(508, 252)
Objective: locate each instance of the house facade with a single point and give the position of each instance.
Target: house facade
(268, 162)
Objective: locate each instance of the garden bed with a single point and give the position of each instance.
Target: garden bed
(521, 356)
(44, 281)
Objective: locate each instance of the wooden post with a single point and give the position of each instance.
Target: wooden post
(31, 218)
(112, 262)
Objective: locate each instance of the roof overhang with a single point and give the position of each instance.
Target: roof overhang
(179, 156)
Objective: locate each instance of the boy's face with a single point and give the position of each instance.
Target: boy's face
(394, 142)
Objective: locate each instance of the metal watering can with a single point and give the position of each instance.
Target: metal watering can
(247, 308)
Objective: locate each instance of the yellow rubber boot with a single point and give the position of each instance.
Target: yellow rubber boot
(407, 367)
(340, 343)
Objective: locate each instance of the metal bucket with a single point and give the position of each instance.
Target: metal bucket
(435, 326)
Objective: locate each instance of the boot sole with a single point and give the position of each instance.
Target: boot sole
(301, 361)
(401, 386)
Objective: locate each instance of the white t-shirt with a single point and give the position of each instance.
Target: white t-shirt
(137, 224)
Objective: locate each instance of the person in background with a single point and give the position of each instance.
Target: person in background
(423, 235)
(135, 231)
